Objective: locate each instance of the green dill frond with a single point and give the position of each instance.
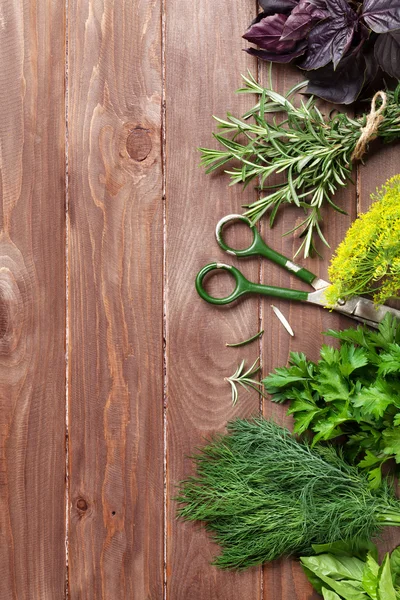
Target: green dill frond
(263, 495)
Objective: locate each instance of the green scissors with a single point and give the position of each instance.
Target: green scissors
(358, 308)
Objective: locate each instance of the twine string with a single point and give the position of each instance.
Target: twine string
(370, 131)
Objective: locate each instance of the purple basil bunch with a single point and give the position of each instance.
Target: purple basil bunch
(343, 45)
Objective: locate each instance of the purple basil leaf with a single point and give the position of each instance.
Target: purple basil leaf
(387, 53)
(339, 8)
(258, 18)
(301, 20)
(344, 23)
(341, 43)
(287, 57)
(330, 40)
(319, 4)
(326, 43)
(267, 35)
(319, 51)
(372, 72)
(271, 7)
(340, 86)
(360, 37)
(382, 15)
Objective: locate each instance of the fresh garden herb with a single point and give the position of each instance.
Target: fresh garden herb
(343, 572)
(248, 341)
(283, 320)
(245, 379)
(368, 259)
(352, 392)
(265, 495)
(343, 45)
(315, 154)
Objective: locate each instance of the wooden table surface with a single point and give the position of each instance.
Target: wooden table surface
(112, 369)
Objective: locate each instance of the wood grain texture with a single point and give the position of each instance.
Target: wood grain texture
(116, 313)
(32, 300)
(204, 60)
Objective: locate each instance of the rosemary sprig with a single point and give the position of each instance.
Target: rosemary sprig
(314, 153)
(245, 379)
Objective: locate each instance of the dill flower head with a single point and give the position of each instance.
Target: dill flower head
(368, 259)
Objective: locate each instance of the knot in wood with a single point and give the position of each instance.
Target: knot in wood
(138, 144)
(11, 311)
(82, 505)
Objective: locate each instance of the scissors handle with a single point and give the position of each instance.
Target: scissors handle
(243, 286)
(259, 248)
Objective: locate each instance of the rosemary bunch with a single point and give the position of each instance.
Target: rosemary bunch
(315, 154)
(264, 495)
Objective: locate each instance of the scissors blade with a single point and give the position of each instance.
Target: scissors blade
(370, 313)
(357, 308)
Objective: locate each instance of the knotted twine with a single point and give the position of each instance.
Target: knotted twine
(370, 131)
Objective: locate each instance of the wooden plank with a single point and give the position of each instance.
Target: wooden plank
(204, 60)
(32, 300)
(285, 579)
(116, 325)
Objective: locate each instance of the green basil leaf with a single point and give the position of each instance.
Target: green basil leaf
(386, 590)
(395, 565)
(360, 549)
(347, 591)
(312, 578)
(323, 566)
(370, 577)
(329, 595)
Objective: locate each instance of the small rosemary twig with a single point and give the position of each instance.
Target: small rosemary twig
(244, 378)
(248, 341)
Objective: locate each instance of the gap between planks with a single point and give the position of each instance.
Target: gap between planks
(164, 293)
(67, 314)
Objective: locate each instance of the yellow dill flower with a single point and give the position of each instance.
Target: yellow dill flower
(368, 259)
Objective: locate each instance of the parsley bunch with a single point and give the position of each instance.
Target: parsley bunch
(352, 392)
(368, 259)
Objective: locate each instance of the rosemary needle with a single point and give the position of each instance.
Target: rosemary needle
(283, 320)
(248, 341)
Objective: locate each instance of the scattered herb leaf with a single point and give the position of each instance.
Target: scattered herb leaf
(248, 341)
(283, 320)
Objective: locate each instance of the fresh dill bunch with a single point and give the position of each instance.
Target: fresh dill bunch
(368, 259)
(265, 495)
(313, 152)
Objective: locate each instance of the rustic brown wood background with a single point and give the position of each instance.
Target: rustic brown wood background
(112, 369)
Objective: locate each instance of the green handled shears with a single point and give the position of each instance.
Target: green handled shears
(358, 308)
